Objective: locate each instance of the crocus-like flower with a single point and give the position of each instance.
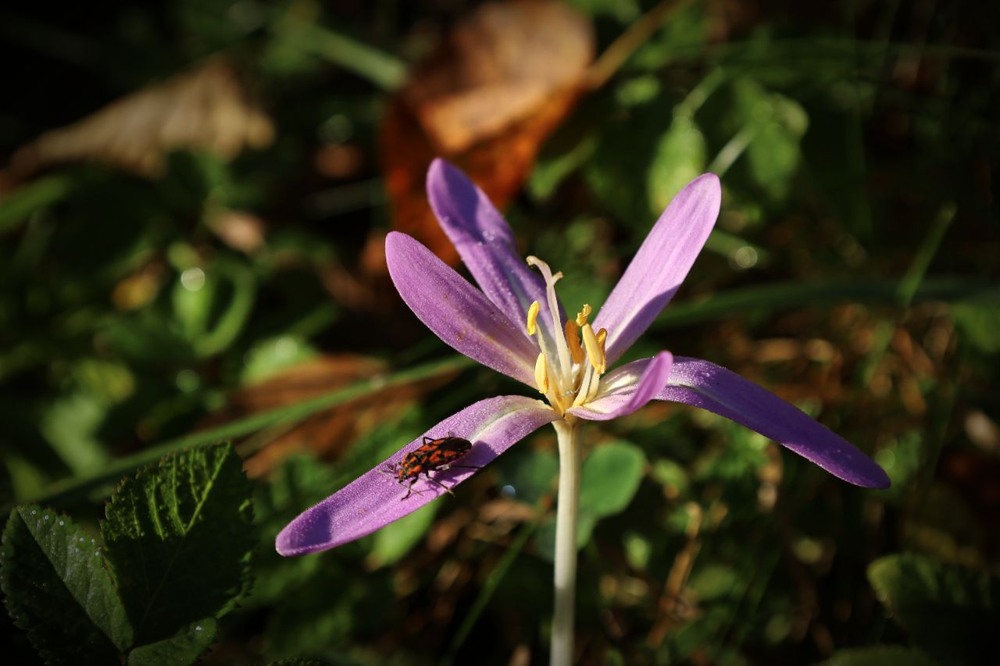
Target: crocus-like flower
(515, 324)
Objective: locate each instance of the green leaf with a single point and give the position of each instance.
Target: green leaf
(178, 537)
(32, 197)
(610, 478)
(529, 475)
(948, 610)
(184, 648)
(59, 590)
(880, 655)
(70, 425)
(773, 126)
(978, 318)
(679, 159)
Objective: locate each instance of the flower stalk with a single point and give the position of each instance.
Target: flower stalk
(567, 513)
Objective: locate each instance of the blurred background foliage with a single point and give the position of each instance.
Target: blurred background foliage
(192, 200)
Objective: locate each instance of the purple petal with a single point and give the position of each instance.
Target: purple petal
(709, 386)
(627, 389)
(660, 265)
(458, 312)
(483, 240)
(375, 499)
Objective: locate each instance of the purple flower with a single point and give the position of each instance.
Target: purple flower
(515, 324)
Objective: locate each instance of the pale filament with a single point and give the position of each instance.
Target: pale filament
(570, 376)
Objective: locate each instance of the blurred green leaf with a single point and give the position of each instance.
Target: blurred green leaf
(530, 474)
(680, 156)
(978, 318)
(395, 540)
(32, 197)
(70, 425)
(949, 611)
(213, 305)
(178, 536)
(774, 126)
(610, 477)
(272, 355)
(59, 590)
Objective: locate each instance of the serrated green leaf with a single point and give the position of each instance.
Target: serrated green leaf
(949, 611)
(178, 537)
(610, 478)
(184, 648)
(59, 590)
(880, 655)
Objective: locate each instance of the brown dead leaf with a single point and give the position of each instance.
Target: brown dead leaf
(326, 433)
(486, 99)
(206, 109)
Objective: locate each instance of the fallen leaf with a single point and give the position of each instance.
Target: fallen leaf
(204, 109)
(486, 99)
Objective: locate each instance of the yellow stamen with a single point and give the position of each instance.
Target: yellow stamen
(581, 317)
(573, 338)
(541, 376)
(595, 350)
(533, 317)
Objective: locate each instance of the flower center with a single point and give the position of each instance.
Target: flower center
(572, 359)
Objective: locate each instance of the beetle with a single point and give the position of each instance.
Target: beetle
(433, 455)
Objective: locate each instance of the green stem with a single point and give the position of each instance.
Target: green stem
(567, 511)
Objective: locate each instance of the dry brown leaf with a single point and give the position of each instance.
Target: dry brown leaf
(326, 433)
(502, 81)
(206, 109)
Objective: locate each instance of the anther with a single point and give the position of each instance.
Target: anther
(583, 314)
(573, 339)
(595, 350)
(541, 374)
(533, 317)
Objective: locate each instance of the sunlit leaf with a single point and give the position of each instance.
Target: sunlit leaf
(59, 590)
(680, 156)
(178, 536)
(610, 478)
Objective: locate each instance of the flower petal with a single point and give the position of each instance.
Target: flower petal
(626, 389)
(373, 500)
(709, 386)
(660, 265)
(483, 239)
(458, 312)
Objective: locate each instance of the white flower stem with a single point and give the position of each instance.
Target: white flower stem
(561, 653)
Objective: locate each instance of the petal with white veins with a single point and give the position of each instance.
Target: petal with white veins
(712, 387)
(483, 239)
(458, 312)
(374, 499)
(660, 265)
